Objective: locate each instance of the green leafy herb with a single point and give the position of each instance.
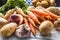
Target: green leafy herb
(12, 4)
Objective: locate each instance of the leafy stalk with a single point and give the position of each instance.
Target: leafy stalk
(12, 4)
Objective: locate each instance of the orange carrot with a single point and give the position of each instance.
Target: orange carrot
(37, 15)
(33, 30)
(40, 17)
(25, 21)
(33, 17)
(31, 21)
(51, 14)
(48, 15)
(39, 12)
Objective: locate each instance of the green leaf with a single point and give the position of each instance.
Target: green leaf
(12, 4)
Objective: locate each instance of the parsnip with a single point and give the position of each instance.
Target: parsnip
(20, 11)
(9, 12)
(3, 22)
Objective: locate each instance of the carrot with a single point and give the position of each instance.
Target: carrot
(39, 12)
(31, 21)
(37, 15)
(40, 17)
(51, 14)
(33, 17)
(48, 16)
(20, 11)
(25, 21)
(33, 30)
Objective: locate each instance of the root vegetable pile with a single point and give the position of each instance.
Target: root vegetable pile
(34, 18)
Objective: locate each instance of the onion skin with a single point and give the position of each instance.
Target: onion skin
(46, 28)
(23, 31)
(17, 18)
(57, 25)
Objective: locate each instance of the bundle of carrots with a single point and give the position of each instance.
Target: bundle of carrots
(36, 16)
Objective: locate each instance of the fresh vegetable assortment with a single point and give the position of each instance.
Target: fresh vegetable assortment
(16, 21)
